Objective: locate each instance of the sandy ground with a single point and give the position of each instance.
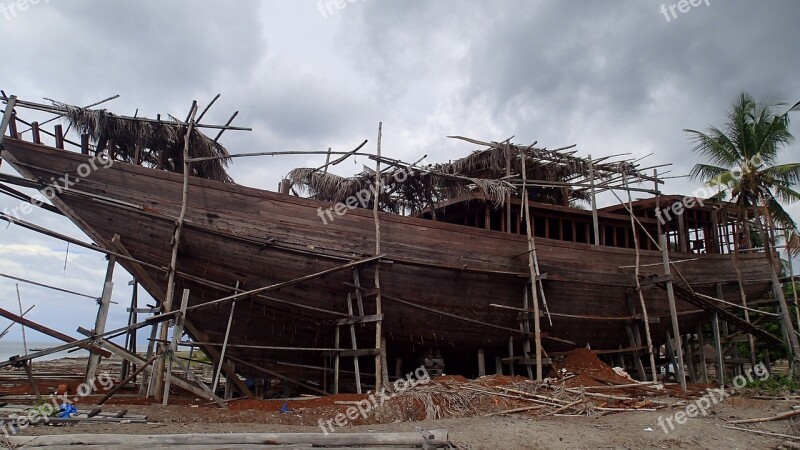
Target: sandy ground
(635, 429)
(524, 430)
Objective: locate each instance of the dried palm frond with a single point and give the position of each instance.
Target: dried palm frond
(160, 143)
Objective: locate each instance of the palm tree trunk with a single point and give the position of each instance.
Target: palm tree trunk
(786, 318)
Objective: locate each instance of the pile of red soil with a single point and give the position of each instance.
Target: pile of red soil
(583, 361)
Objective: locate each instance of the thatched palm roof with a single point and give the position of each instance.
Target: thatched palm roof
(408, 190)
(494, 173)
(160, 143)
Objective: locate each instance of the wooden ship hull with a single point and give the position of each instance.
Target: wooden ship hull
(446, 288)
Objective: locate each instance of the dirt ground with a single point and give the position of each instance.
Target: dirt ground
(635, 427)
(632, 430)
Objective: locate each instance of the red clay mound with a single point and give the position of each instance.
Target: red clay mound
(583, 361)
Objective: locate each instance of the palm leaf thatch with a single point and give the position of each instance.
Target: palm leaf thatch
(404, 190)
(160, 143)
(493, 174)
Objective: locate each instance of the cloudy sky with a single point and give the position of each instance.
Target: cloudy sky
(612, 77)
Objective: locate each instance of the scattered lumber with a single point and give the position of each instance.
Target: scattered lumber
(413, 439)
(765, 433)
(780, 416)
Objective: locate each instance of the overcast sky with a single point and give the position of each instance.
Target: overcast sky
(610, 76)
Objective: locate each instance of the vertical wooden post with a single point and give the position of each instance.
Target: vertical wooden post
(177, 333)
(130, 336)
(29, 373)
(498, 365)
(398, 367)
(8, 119)
(511, 355)
(102, 316)
(687, 345)
(37, 137)
(718, 341)
(508, 193)
(378, 309)
(59, 136)
(595, 221)
(683, 235)
(24, 339)
(147, 376)
(336, 345)
(673, 310)
(703, 366)
(787, 237)
(481, 364)
(221, 361)
(176, 239)
(224, 346)
(84, 144)
(229, 384)
(643, 304)
(532, 267)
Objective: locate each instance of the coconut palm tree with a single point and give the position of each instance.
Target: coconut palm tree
(743, 163)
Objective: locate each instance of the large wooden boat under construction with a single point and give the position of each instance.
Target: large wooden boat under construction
(449, 287)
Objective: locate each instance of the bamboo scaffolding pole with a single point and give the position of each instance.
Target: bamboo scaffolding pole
(176, 239)
(102, 315)
(595, 222)
(224, 343)
(21, 312)
(177, 332)
(537, 327)
(378, 307)
(643, 304)
(673, 313)
(71, 342)
(105, 100)
(60, 111)
(277, 286)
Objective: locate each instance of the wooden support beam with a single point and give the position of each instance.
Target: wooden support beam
(534, 272)
(595, 222)
(378, 308)
(102, 314)
(52, 333)
(8, 119)
(27, 366)
(177, 332)
(220, 363)
(127, 379)
(673, 310)
(166, 304)
(702, 353)
(354, 344)
(365, 319)
(481, 364)
(59, 136)
(37, 137)
(279, 375)
(84, 144)
(139, 272)
(178, 380)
